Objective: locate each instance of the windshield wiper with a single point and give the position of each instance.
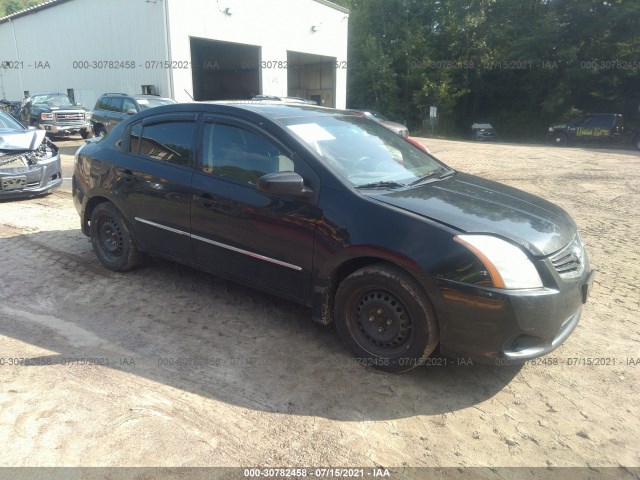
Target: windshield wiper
(382, 185)
(431, 175)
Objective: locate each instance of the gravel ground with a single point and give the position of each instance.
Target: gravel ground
(169, 366)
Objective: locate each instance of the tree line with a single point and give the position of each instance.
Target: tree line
(7, 7)
(518, 64)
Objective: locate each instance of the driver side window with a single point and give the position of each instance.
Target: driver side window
(240, 154)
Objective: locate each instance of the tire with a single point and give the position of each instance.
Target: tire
(636, 142)
(560, 139)
(111, 239)
(385, 318)
(86, 134)
(99, 131)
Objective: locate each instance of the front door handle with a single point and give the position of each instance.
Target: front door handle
(206, 200)
(127, 176)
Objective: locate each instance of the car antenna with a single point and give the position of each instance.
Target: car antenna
(185, 91)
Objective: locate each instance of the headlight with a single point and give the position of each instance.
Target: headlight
(88, 115)
(551, 129)
(46, 116)
(507, 265)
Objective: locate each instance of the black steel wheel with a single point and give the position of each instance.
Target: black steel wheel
(560, 139)
(111, 239)
(99, 131)
(385, 318)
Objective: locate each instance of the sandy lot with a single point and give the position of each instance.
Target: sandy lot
(168, 366)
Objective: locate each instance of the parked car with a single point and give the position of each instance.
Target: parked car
(398, 128)
(338, 213)
(56, 114)
(112, 108)
(597, 128)
(29, 162)
(483, 132)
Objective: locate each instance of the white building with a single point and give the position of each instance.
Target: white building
(208, 49)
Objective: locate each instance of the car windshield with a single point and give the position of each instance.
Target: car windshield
(60, 100)
(364, 152)
(8, 123)
(147, 103)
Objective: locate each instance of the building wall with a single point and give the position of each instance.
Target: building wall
(85, 31)
(275, 25)
(136, 30)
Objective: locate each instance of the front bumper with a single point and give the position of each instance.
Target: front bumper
(499, 327)
(66, 129)
(38, 179)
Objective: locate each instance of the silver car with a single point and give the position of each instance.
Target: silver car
(29, 161)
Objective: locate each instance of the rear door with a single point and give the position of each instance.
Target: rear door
(262, 239)
(156, 181)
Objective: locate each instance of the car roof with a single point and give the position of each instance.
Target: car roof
(272, 111)
(277, 110)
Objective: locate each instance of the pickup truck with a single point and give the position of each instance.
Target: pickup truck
(56, 114)
(597, 128)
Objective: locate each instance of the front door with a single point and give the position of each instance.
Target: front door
(261, 239)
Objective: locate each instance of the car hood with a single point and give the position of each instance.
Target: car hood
(476, 205)
(73, 108)
(21, 139)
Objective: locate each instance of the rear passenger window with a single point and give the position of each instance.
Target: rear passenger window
(170, 142)
(103, 104)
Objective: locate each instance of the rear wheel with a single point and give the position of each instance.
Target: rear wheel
(385, 318)
(111, 239)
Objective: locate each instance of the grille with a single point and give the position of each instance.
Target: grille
(569, 262)
(13, 161)
(69, 116)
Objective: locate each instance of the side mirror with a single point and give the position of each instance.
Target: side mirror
(131, 111)
(283, 183)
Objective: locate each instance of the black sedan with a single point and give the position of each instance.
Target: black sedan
(338, 213)
(29, 162)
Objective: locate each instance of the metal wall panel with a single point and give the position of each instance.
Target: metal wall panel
(75, 45)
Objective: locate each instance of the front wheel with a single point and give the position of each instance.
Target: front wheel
(99, 131)
(111, 239)
(86, 134)
(385, 318)
(560, 139)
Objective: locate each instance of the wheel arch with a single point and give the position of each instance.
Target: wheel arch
(325, 292)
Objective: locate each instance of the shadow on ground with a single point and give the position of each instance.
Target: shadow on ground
(199, 333)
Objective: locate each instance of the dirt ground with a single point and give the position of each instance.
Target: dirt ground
(169, 366)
